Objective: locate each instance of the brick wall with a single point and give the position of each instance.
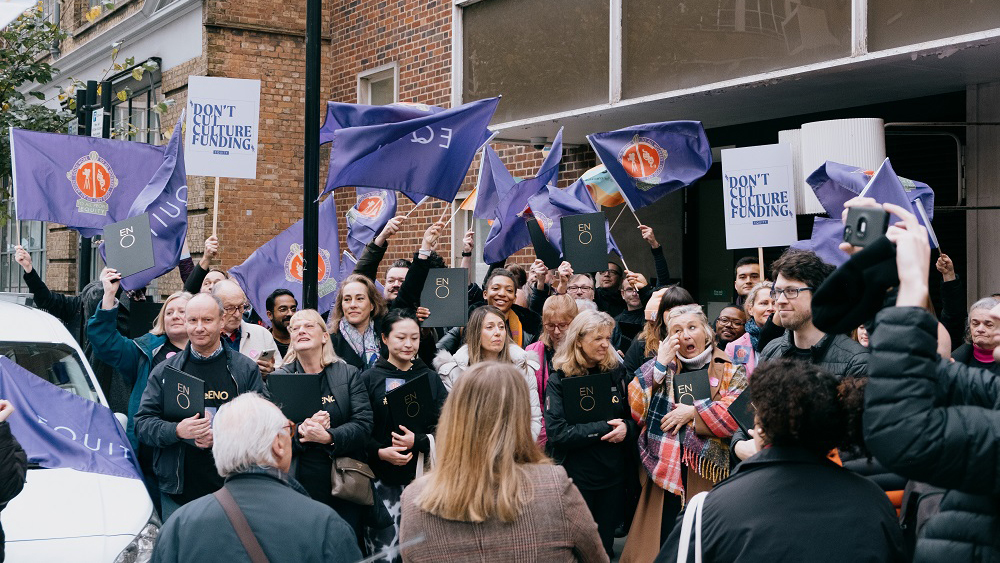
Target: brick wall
(265, 41)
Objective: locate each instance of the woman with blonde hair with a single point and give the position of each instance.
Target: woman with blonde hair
(595, 454)
(134, 358)
(683, 448)
(557, 314)
(342, 426)
(643, 348)
(493, 495)
(487, 339)
(758, 306)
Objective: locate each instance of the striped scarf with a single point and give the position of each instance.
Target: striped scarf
(662, 453)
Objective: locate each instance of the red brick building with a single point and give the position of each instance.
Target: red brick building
(748, 70)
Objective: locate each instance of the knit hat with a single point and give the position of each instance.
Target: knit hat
(856, 291)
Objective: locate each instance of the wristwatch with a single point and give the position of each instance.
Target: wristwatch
(424, 252)
(466, 253)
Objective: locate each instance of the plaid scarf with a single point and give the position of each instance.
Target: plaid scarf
(661, 453)
(365, 345)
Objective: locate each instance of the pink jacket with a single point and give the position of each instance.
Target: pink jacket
(542, 375)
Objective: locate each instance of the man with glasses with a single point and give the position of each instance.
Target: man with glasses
(253, 341)
(798, 273)
(729, 326)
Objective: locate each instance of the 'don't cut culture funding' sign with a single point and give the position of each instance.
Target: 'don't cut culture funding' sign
(759, 201)
(223, 115)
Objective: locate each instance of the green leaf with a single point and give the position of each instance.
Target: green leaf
(130, 61)
(150, 66)
(137, 73)
(38, 95)
(123, 95)
(109, 6)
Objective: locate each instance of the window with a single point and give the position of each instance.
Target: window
(379, 86)
(135, 119)
(32, 237)
(460, 225)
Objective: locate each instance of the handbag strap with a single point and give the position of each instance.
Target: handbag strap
(692, 519)
(240, 524)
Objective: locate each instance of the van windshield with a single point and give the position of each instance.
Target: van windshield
(56, 363)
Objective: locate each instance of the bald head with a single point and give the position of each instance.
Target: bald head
(233, 302)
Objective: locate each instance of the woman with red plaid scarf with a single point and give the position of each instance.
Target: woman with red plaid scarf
(684, 449)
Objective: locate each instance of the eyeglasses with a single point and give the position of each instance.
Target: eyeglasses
(611, 272)
(789, 292)
(230, 309)
(726, 321)
(561, 327)
(288, 428)
(579, 288)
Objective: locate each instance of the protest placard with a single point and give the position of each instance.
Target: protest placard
(759, 200)
(222, 120)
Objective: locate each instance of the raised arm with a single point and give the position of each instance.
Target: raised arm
(375, 251)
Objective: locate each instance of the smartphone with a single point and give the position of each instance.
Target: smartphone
(865, 225)
(266, 355)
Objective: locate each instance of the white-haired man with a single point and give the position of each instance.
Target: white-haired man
(253, 452)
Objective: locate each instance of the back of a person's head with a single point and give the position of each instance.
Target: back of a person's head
(801, 265)
(484, 440)
(244, 430)
(802, 405)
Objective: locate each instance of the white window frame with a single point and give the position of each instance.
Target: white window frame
(377, 74)
(459, 225)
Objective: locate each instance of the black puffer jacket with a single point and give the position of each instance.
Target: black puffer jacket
(939, 423)
(835, 353)
(13, 464)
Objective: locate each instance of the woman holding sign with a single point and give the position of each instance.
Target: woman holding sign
(340, 429)
(682, 440)
(487, 339)
(400, 385)
(591, 440)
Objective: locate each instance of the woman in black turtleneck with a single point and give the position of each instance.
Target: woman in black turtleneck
(394, 451)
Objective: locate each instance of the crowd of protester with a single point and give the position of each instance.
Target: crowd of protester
(880, 444)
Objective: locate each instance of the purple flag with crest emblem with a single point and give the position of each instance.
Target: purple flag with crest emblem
(650, 161)
(57, 428)
(368, 217)
(87, 183)
(279, 264)
(423, 156)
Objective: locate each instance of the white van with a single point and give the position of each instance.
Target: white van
(64, 514)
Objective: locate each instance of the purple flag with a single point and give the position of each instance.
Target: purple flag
(494, 184)
(424, 156)
(340, 116)
(87, 183)
(279, 264)
(552, 204)
(369, 215)
(59, 429)
(509, 232)
(165, 199)
(826, 237)
(835, 183)
(650, 161)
